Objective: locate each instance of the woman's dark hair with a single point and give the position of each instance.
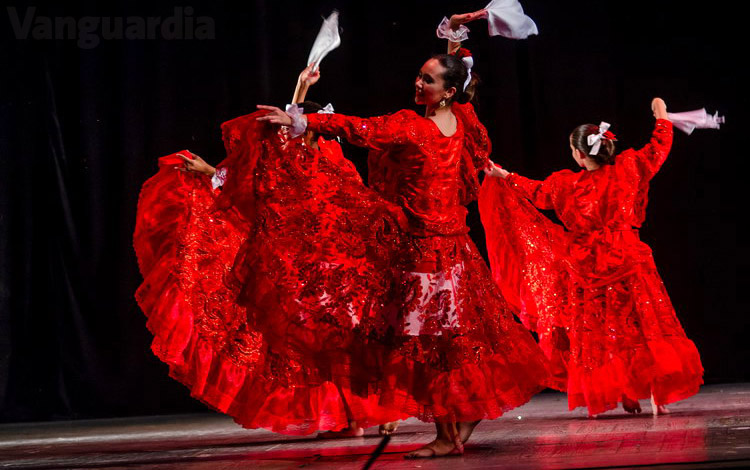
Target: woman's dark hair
(310, 107)
(455, 76)
(579, 140)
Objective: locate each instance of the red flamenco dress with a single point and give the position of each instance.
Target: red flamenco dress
(454, 349)
(261, 295)
(625, 338)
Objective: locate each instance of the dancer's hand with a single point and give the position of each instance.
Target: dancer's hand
(496, 170)
(195, 164)
(659, 107)
(458, 20)
(275, 116)
(308, 77)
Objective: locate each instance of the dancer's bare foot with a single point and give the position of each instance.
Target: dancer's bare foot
(658, 409)
(465, 428)
(388, 428)
(352, 431)
(436, 448)
(630, 405)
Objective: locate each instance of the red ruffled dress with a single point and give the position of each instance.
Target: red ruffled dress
(456, 352)
(295, 298)
(624, 335)
(261, 295)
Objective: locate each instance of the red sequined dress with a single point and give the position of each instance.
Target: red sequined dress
(624, 335)
(456, 352)
(296, 298)
(261, 295)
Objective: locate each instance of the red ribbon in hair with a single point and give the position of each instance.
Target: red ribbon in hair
(462, 52)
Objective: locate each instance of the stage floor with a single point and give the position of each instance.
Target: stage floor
(710, 430)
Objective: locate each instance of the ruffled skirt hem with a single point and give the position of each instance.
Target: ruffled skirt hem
(668, 370)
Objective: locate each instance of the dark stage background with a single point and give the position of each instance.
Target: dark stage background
(81, 130)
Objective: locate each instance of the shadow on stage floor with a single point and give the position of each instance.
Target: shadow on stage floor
(710, 430)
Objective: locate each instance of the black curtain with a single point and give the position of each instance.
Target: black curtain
(83, 122)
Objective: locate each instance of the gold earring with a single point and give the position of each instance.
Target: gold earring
(442, 103)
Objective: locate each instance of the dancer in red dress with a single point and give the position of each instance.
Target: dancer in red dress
(456, 354)
(297, 299)
(261, 294)
(626, 342)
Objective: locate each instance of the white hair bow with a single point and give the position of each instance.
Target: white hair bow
(327, 109)
(469, 63)
(595, 140)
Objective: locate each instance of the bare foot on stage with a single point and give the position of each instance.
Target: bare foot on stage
(352, 431)
(631, 406)
(388, 428)
(466, 428)
(436, 448)
(658, 409)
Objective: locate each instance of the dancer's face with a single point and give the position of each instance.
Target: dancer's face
(429, 85)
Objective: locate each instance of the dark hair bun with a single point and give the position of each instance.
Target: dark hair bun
(579, 139)
(310, 107)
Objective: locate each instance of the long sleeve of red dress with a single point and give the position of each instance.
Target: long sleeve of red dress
(374, 133)
(647, 161)
(411, 163)
(402, 128)
(545, 194)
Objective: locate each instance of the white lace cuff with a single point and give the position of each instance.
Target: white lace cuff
(219, 178)
(444, 31)
(299, 122)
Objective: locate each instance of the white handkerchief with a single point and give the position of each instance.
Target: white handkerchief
(688, 121)
(328, 39)
(506, 18)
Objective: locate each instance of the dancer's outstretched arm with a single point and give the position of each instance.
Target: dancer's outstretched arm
(195, 164)
(307, 78)
(647, 161)
(543, 194)
(659, 107)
